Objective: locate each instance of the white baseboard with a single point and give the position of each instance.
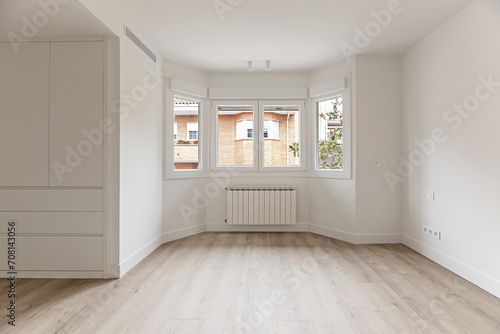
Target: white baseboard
(138, 256)
(331, 233)
(359, 239)
(483, 281)
(221, 227)
(183, 233)
(54, 274)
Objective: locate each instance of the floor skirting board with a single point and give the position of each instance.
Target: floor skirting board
(300, 227)
(139, 255)
(389, 238)
(472, 275)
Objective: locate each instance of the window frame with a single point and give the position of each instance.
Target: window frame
(214, 144)
(170, 171)
(258, 169)
(344, 173)
(302, 154)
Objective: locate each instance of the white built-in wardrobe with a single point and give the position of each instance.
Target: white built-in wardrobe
(52, 166)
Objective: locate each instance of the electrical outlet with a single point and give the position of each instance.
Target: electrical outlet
(435, 233)
(379, 163)
(431, 196)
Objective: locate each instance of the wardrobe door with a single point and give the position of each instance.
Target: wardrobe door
(24, 114)
(76, 111)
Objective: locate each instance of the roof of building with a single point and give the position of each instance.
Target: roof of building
(183, 101)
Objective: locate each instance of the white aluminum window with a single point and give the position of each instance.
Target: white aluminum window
(258, 136)
(331, 138)
(186, 123)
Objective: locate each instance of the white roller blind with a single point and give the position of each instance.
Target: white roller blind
(273, 128)
(192, 126)
(242, 128)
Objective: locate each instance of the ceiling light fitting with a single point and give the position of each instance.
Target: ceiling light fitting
(250, 65)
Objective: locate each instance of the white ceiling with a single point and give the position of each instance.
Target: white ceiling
(296, 35)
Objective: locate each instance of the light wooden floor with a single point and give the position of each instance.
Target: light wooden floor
(261, 283)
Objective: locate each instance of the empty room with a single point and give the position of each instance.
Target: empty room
(249, 166)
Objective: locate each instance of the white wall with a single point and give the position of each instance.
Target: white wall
(378, 137)
(439, 72)
(140, 158)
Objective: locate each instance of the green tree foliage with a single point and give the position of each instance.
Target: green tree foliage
(294, 148)
(332, 146)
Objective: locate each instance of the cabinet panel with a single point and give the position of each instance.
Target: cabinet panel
(38, 200)
(53, 222)
(24, 113)
(76, 111)
(55, 253)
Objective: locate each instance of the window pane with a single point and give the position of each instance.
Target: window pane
(186, 124)
(330, 127)
(235, 135)
(281, 136)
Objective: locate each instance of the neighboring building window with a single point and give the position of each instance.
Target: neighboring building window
(186, 134)
(244, 129)
(192, 128)
(235, 144)
(330, 134)
(271, 129)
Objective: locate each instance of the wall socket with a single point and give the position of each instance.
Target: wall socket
(432, 232)
(431, 196)
(379, 164)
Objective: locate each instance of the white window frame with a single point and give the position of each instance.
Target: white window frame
(170, 171)
(258, 169)
(303, 150)
(214, 147)
(344, 173)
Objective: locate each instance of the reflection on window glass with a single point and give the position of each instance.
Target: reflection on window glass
(281, 136)
(235, 135)
(186, 134)
(330, 130)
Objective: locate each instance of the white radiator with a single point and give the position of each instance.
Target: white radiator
(261, 205)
